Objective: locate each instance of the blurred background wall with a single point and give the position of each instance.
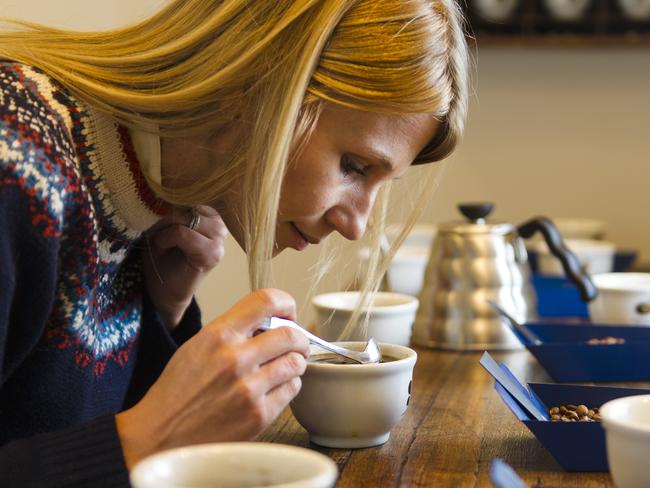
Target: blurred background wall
(562, 131)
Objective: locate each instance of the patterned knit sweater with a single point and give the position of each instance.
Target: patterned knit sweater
(79, 338)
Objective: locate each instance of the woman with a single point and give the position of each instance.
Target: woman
(126, 154)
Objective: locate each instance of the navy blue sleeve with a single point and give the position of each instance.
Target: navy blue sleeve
(89, 454)
(158, 345)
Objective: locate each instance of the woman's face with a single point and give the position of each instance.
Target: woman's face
(332, 184)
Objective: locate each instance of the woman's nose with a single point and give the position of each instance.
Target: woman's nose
(350, 217)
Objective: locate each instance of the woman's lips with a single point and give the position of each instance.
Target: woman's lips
(303, 239)
(300, 242)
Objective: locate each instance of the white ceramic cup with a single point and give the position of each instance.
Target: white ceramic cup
(627, 431)
(496, 10)
(621, 299)
(576, 228)
(595, 256)
(355, 405)
(390, 316)
(567, 10)
(636, 9)
(406, 269)
(420, 235)
(235, 464)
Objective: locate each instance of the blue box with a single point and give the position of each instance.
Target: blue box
(558, 297)
(576, 446)
(566, 356)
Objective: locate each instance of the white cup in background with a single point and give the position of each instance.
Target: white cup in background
(355, 405)
(627, 432)
(406, 269)
(391, 316)
(576, 228)
(235, 464)
(567, 10)
(421, 235)
(636, 9)
(496, 10)
(595, 256)
(623, 298)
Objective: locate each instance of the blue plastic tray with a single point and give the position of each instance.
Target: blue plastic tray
(576, 446)
(566, 356)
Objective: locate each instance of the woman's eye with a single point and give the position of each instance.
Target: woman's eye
(350, 167)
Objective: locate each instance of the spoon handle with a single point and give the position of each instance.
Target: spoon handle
(521, 328)
(275, 322)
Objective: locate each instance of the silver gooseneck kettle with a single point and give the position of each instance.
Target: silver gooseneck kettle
(473, 261)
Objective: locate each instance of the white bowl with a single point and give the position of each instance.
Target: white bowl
(595, 256)
(355, 405)
(620, 297)
(627, 430)
(390, 316)
(235, 464)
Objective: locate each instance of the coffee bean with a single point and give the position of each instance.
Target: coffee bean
(573, 413)
(606, 341)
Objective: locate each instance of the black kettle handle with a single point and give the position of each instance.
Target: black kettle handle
(570, 263)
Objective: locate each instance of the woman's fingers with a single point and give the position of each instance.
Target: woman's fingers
(246, 316)
(210, 224)
(277, 382)
(278, 371)
(280, 396)
(203, 246)
(276, 342)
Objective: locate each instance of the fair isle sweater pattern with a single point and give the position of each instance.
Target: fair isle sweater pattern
(85, 196)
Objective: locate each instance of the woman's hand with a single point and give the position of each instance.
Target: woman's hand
(178, 258)
(224, 384)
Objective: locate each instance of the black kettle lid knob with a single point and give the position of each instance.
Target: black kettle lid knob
(475, 211)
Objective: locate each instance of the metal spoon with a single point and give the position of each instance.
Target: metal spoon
(371, 354)
(521, 328)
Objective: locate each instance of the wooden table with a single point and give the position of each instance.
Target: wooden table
(456, 424)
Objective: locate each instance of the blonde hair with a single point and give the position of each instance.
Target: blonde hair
(197, 64)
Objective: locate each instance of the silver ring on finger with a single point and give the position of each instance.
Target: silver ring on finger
(196, 219)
